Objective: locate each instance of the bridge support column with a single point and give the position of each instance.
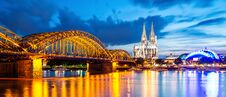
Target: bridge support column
(114, 66)
(44, 62)
(22, 69)
(30, 68)
(87, 67)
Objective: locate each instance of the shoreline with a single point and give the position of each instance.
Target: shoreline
(201, 68)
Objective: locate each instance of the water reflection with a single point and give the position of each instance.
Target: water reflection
(212, 84)
(64, 73)
(118, 84)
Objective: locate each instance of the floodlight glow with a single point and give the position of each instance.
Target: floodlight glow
(204, 55)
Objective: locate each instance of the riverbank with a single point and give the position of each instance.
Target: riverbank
(157, 68)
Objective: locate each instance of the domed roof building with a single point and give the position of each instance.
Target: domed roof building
(183, 56)
(203, 56)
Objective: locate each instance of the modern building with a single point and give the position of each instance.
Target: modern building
(147, 49)
(202, 56)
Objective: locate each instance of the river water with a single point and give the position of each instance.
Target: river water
(118, 84)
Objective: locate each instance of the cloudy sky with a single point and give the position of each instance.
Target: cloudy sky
(181, 25)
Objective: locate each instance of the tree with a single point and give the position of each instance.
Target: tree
(178, 61)
(159, 61)
(139, 61)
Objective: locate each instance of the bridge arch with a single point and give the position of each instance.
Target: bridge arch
(70, 43)
(120, 54)
(9, 41)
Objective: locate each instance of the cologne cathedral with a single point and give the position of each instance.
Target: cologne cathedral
(147, 49)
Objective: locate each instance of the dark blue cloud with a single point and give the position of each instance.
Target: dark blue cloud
(34, 16)
(26, 17)
(198, 33)
(125, 32)
(37, 16)
(163, 4)
(69, 20)
(210, 22)
(111, 32)
(216, 13)
(187, 19)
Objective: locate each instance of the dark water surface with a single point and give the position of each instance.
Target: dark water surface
(118, 84)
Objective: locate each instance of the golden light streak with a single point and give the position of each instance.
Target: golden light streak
(80, 87)
(87, 86)
(45, 89)
(63, 89)
(8, 93)
(37, 88)
(92, 86)
(115, 84)
(72, 88)
(53, 89)
(25, 91)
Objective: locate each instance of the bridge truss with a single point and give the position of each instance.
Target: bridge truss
(120, 54)
(9, 41)
(73, 43)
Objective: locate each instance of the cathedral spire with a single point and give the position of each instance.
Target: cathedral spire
(144, 36)
(152, 35)
(147, 49)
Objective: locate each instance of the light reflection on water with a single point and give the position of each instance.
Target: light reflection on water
(118, 84)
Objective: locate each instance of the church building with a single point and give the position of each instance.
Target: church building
(147, 49)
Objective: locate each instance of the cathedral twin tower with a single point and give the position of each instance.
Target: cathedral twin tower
(147, 49)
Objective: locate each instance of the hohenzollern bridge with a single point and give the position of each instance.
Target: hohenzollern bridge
(25, 56)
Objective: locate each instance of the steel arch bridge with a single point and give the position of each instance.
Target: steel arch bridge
(73, 43)
(9, 41)
(29, 54)
(69, 43)
(119, 54)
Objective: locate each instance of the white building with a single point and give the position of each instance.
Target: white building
(147, 49)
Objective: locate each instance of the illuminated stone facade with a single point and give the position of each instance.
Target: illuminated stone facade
(147, 49)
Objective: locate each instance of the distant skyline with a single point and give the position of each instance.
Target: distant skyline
(182, 26)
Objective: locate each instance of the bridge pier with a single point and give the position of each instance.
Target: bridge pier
(44, 62)
(114, 65)
(22, 68)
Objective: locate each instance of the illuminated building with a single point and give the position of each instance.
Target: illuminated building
(147, 49)
(170, 59)
(202, 56)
